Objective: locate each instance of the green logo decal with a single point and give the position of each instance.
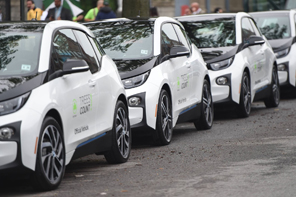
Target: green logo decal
(74, 106)
(255, 66)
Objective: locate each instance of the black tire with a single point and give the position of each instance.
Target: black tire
(207, 109)
(164, 123)
(121, 136)
(50, 163)
(244, 107)
(274, 99)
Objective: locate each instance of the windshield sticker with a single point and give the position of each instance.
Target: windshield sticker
(229, 41)
(26, 67)
(144, 52)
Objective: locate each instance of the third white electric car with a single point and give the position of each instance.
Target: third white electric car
(165, 76)
(61, 98)
(241, 63)
(279, 28)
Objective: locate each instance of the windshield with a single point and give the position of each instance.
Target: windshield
(212, 32)
(275, 26)
(19, 53)
(125, 40)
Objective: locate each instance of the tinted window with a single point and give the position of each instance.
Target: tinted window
(125, 39)
(255, 28)
(181, 35)
(19, 52)
(169, 39)
(87, 51)
(276, 26)
(65, 46)
(247, 29)
(211, 32)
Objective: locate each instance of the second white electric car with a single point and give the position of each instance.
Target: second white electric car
(61, 98)
(241, 63)
(279, 29)
(165, 76)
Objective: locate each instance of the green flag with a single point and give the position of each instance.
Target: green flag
(73, 5)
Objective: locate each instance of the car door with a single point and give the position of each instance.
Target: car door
(190, 63)
(263, 63)
(98, 83)
(177, 71)
(75, 90)
(253, 54)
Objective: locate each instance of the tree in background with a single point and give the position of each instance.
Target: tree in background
(134, 8)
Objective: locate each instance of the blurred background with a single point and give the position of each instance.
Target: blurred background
(15, 10)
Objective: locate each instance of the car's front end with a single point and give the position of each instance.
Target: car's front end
(215, 36)
(277, 27)
(19, 55)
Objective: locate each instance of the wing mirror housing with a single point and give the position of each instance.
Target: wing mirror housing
(75, 66)
(178, 51)
(253, 40)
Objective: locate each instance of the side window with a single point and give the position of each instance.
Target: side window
(168, 39)
(65, 46)
(255, 28)
(87, 50)
(247, 29)
(182, 36)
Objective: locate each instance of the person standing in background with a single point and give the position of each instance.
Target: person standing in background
(196, 9)
(92, 13)
(59, 12)
(105, 12)
(33, 11)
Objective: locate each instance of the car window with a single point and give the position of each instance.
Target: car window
(169, 39)
(65, 46)
(247, 29)
(276, 26)
(87, 51)
(211, 32)
(181, 35)
(255, 28)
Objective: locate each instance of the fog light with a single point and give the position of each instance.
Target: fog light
(6, 133)
(134, 101)
(281, 67)
(222, 80)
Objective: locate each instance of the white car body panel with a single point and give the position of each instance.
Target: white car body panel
(58, 95)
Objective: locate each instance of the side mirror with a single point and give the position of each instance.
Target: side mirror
(178, 51)
(253, 40)
(75, 66)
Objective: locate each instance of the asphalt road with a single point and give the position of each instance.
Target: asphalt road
(237, 157)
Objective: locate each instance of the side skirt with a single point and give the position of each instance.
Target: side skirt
(98, 144)
(190, 114)
(262, 93)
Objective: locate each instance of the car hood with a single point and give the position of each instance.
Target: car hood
(130, 68)
(211, 55)
(13, 86)
(281, 44)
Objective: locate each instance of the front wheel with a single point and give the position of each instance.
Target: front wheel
(207, 109)
(50, 163)
(121, 136)
(244, 107)
(164, 124)
(274, 99)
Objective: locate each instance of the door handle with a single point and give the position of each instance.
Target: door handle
(91, 83)
(188, 65)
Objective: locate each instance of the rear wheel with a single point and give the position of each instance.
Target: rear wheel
(50, 163)
(244, 107)
(121, 136)
(164, 124)
(207, 109)
(274, 98)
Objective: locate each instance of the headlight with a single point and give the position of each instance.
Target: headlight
(282, 53)
(12, 105)
(222, 64)
(135, 81)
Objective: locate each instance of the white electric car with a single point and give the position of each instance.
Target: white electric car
(241, 63)
(61, 98)
(279, 29)
(165, 76)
